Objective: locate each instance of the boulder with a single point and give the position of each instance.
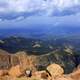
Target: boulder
(55, 70)
(15, 71)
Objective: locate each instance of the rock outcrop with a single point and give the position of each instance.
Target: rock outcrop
(26, 62)
(55, 70)
(7, 60)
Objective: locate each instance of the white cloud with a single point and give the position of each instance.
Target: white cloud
(48, 7)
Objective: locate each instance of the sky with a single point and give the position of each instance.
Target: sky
(25, 13)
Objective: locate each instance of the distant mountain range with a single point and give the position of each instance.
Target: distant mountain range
(40, 32)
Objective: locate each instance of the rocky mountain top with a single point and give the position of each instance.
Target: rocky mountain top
(39, 62)
(21, 66)
(52, 72)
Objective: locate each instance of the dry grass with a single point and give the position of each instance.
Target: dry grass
(25, 78)
(21, 78)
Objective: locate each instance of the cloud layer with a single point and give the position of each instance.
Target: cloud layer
(10, 9)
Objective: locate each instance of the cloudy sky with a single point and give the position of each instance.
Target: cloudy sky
(28, 12)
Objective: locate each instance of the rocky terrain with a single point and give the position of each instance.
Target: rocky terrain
(64, 59)
(21, 66)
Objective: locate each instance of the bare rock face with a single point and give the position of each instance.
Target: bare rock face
(15, 71)
(7, 60)
(55, 70)
(14, 60)
(4, 60)
(26, 62)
